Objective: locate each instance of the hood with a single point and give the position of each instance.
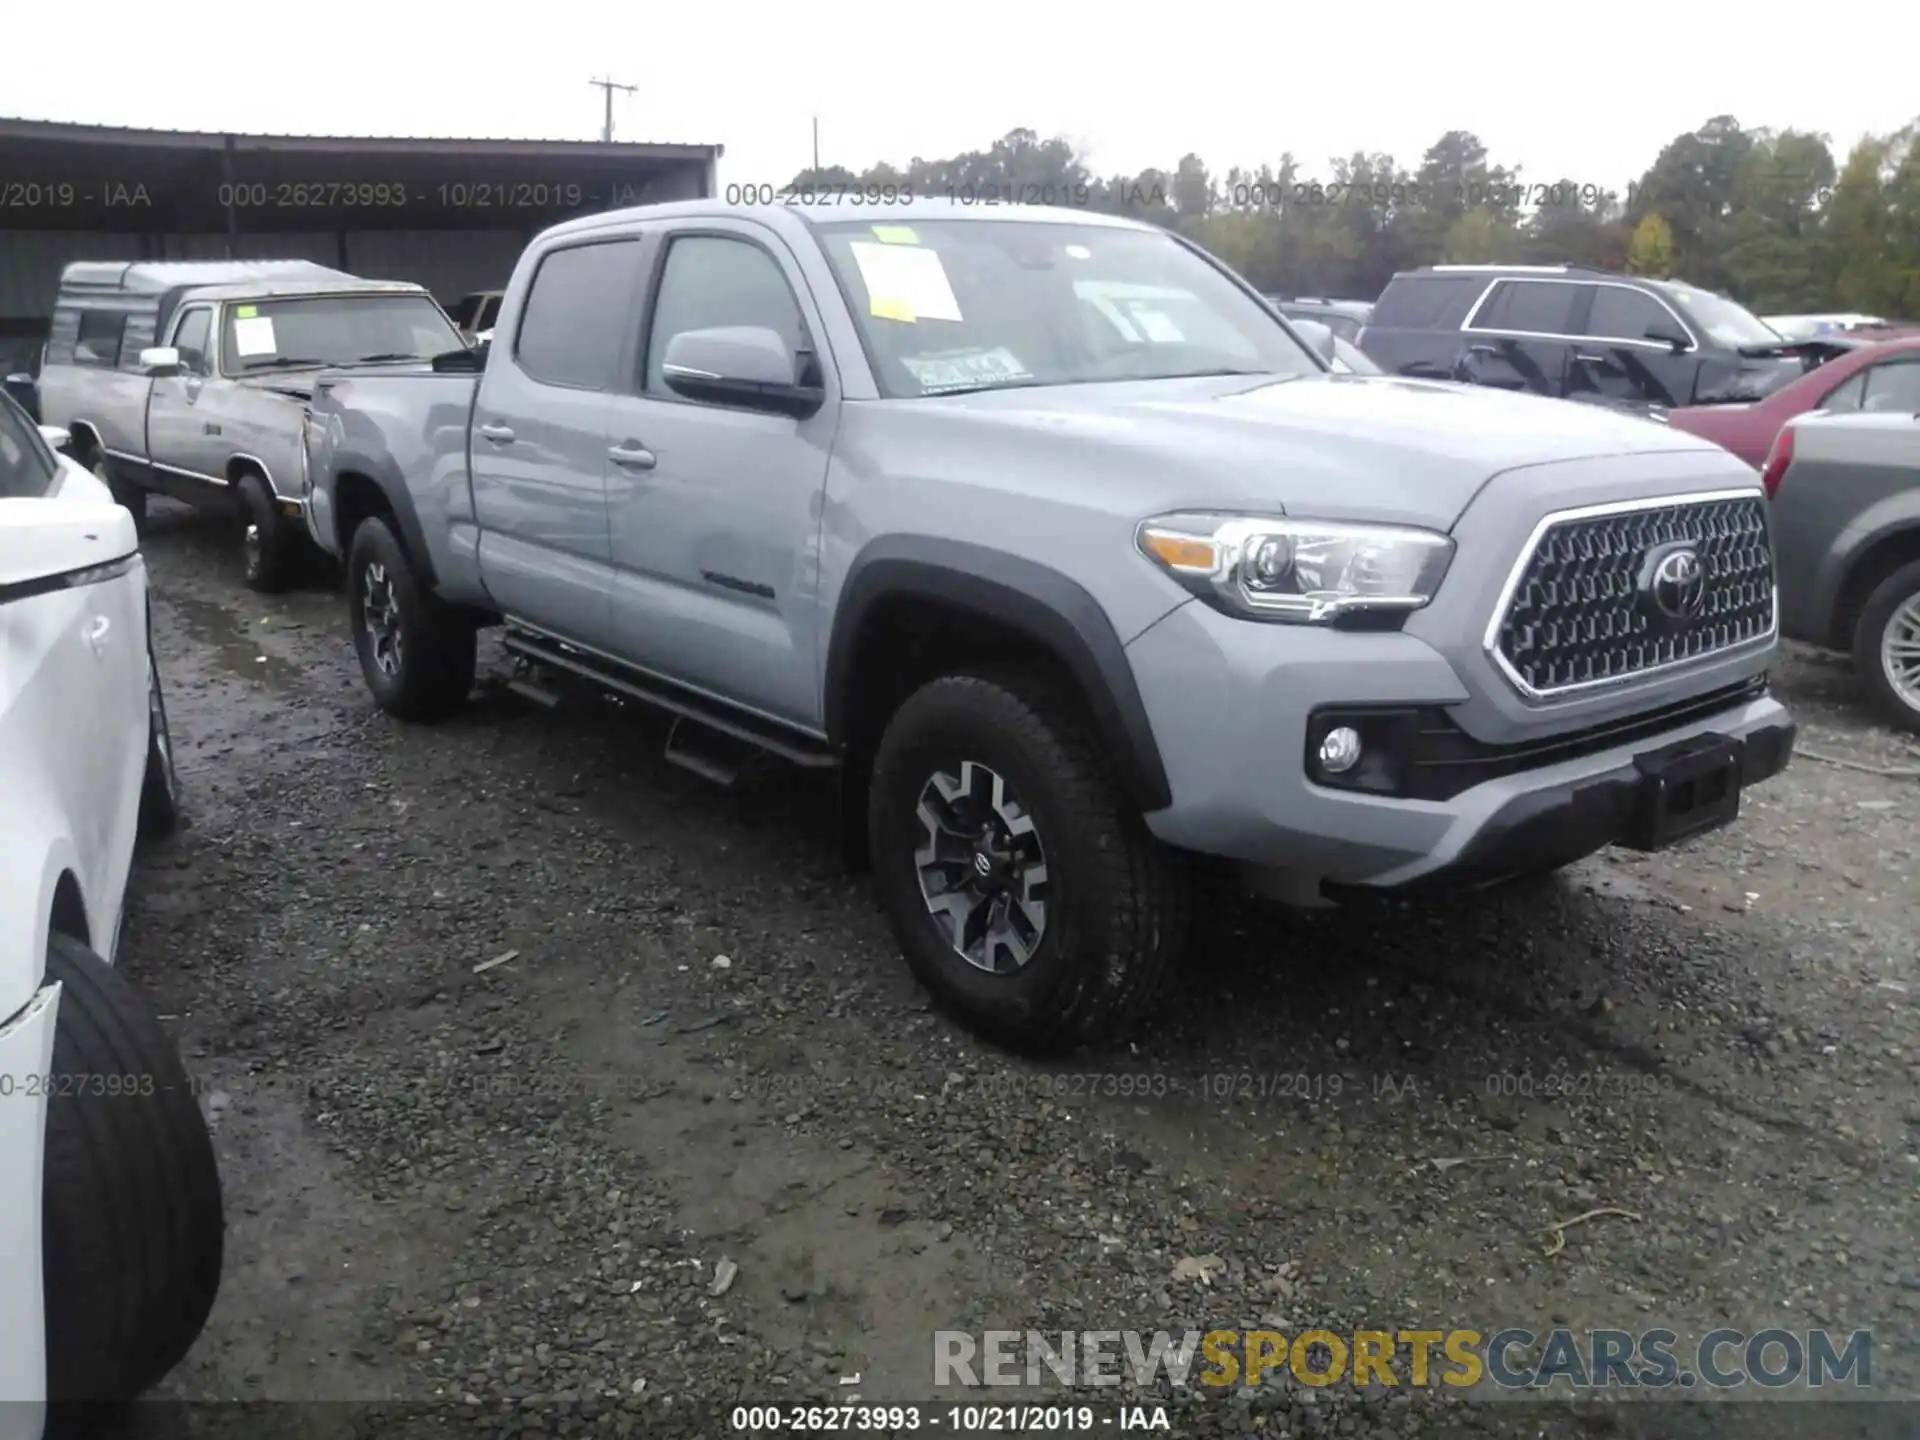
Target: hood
(1347, 446)
(297, 382)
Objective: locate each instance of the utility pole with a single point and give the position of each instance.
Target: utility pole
(609, 86)
(816, 144)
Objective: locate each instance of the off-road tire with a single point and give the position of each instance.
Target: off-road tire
(438, 644)
(266, 567)
(1885, 601)
(1119, 904)
(132, 1228)
(124, 493)
(160, 786)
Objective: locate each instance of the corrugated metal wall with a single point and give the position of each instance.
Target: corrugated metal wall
(31, 261)
(448, 262)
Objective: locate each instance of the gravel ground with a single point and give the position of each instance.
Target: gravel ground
(508, 1190)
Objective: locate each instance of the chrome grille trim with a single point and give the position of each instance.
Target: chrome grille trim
(1491, 640)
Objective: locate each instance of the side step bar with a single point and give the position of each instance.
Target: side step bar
(705, 738)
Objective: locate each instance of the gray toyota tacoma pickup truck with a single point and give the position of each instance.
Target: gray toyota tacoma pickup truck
(1072, 606)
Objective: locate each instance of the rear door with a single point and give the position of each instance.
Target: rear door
(1617, 361)
(539, 439)
(1521, 335)
(1415, 326)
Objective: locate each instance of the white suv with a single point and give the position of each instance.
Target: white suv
(111, 1231)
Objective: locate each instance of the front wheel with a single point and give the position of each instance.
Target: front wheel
(1023, 888)
(1886, 646)
(132, 1229)
(266, 540)
(129, 496)
(160, 787)
(416, 653)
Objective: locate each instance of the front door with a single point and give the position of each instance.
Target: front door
(182, 437)
(715, 511)
(1519, 337)
(539, 440)
(1616, 360)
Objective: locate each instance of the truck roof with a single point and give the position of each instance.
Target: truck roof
(812, 213)
(220, 279)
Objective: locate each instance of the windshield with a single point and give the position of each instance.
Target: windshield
(951, 305)
(1730, 325)
(27, 468)
(263, 335)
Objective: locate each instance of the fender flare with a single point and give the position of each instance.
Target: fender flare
(393, 485)
(1052, 610)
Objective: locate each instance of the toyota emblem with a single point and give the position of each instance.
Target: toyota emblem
(981, 864)
(1679, 585)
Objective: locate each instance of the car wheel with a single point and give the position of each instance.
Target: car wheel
(417, 655)
(1886, 646)
(160, 789)
(132, 1231)
(130, 496)
(264, 538)
(1024, 890)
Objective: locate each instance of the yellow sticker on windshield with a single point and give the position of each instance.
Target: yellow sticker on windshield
(245, 312)
(895, 235)
(890, 309)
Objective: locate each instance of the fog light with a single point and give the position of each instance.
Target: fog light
(1340, 750)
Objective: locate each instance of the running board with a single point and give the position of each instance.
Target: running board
(688, 750)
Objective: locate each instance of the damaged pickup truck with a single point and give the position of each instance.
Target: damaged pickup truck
(192, 379)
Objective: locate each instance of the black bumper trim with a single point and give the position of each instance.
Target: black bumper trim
(1548, 828)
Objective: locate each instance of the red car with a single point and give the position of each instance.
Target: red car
(1877, 376)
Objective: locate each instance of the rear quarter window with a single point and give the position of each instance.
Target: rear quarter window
(1427, 302)
(99, 337)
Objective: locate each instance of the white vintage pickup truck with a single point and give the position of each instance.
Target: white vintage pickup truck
(192, 379)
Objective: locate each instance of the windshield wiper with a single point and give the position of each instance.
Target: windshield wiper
(282, 362)
(388, 355)
(976, 389)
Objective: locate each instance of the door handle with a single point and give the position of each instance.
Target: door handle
(1488, 350)
(1605, 362)
(499, 434)
(633, 457)
(193, 389)
(96, 633)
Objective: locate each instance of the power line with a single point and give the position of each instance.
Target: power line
(609, 86)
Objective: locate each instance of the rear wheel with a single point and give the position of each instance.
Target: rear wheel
(1886, 646)
(1025, 891)
(416, 653)
(132, 1229)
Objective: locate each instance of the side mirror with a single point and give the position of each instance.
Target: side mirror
(742, 365)
(58, 437)
(1672, 339)
(44, 538)
(1320, 337)
(160, 361)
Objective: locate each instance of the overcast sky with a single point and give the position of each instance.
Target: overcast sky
(1561, 93)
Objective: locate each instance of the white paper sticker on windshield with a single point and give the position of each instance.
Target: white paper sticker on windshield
(1158, 328)
(905, 278)
(962, 369)
(254, 336)
(1079, 252)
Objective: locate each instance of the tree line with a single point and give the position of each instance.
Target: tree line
(1769, 217)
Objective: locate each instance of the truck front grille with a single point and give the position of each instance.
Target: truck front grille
(1606, 594)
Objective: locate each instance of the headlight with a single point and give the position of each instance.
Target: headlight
(1302, 571)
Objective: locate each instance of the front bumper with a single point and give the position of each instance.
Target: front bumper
(1234, 707)
(1559, 823)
